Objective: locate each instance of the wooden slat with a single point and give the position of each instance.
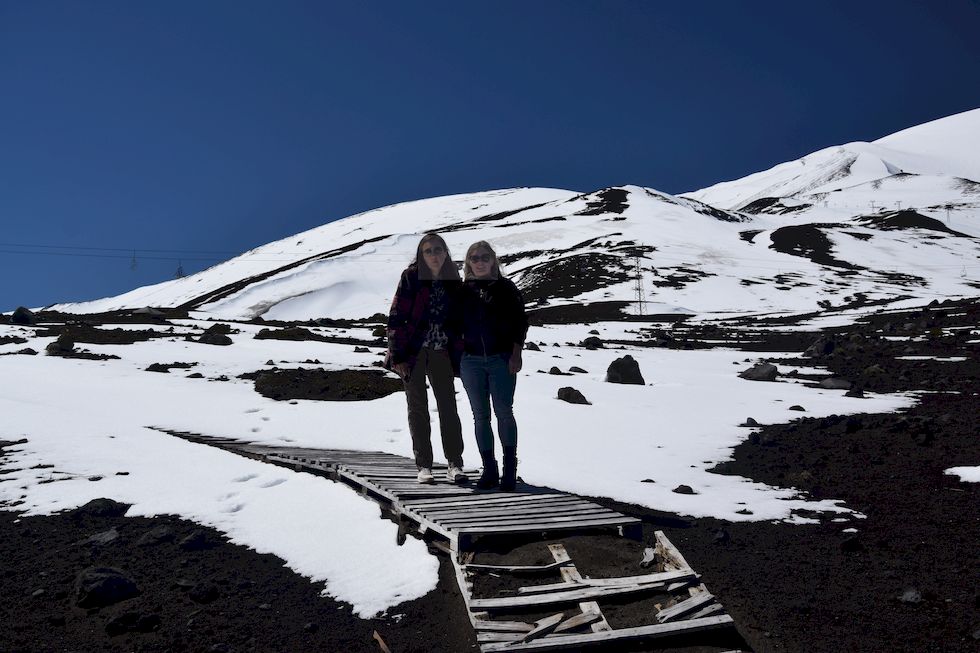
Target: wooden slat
(570, 573)
(661, 578)
(488, 497)
(579, 620)
(564, 642)
(522, 516)
(545, 525)
(684, 607)
(557, 598)
(503, 626)
(543, 626)
(669, 553)
(508, 509)
(515, 569)
(503, 505)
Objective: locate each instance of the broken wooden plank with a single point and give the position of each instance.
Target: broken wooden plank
(660, 578)
(571, 573)
(564, 642)
(579, 620)
(503, 626)
(556, 598)
(516, 569)
(684, 607)
(669, 553)
(710, 610)
(543, 627)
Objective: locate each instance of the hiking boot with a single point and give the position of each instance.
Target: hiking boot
(425, 476)
(508, 481)
(490, 478)
(455, 474)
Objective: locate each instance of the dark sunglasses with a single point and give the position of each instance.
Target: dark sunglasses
(434, 251)
(480, 258)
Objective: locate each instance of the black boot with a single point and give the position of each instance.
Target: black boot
(509, 480)
(490, 478)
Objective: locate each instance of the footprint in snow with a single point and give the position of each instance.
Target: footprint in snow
(273, 482)
(234, 508)
(242, 479)
(253, 410)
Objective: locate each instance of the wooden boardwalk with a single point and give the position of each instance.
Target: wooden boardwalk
(461, 514)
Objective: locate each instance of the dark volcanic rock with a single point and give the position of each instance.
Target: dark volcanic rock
(575, 368)
(572, 396)
(834, 383)
(97, 587)
(625, 370)
(23, 316)
(157, 535)
(103, 538)
(592, 342)
(101, 508)
(325, 385)
(760, 372)
(684, 489)
(219, 339)
(530, 346)
(196, 541)
(798, 408)
(132, 622)
(63, 345)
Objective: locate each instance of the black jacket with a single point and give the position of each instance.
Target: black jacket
(491, 316)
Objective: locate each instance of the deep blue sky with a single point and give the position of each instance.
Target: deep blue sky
(220, 126)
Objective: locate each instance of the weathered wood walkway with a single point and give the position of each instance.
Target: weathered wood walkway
(462, 514)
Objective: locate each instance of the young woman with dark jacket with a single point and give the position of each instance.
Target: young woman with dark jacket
(494, 326)
(424, 342)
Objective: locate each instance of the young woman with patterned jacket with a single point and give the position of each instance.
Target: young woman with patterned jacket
(424, 343)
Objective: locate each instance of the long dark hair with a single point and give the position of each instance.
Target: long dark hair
(448, 272)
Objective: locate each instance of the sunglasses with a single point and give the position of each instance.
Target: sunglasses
(481, 258)
(434, 251)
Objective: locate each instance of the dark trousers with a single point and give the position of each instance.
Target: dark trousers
(434, 364)
(486, 378)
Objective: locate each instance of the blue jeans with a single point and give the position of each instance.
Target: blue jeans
(487, 378)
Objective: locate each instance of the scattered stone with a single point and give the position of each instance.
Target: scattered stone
(361, 350)
(760, 372)
(101, 508)
(744, 511)
(380, 331)
(98, 587)
(592, 343)
(835, 383)
(749, 422)
(95, 478)
(683, 489)
(157, 535)
(23, 316)
(63, 345)
(855, 392)
(911, 595)
(648, 480)
(575, 368)
(625, 370)
(824, 346)
(310, 627)
(166, 367)
(38, 593)
(264, 606)
(195, 375)
(594, 332)
(221, 329)
(572, 396)
(219, 339)
(798, 408)
(27, 351)
(196, 541)
(530, 346)
(270, 362)
(101, 539)
(555, 371)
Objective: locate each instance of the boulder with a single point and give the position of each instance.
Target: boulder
(215, 339)
(572, 396)
(63, 345)
(98, 587)
(101, 508)
(592, 342)
(683, 489)
(760, 372)
(625, 370)
(835, 383)
(530, 346)
(219, 328)
(361, 350)
(380, 331)
(575, 368)
(157, 535)
(23, 316)
(27, 351)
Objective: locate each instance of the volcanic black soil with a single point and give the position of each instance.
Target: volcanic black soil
(902, 576)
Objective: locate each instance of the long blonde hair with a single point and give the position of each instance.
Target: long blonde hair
(495, 272)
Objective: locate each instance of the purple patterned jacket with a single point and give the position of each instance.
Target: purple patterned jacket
(408, 320)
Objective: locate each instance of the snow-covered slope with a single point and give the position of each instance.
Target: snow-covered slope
(862, 222)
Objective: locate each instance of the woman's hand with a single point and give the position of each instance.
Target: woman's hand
(401, 369)
(515, 364)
